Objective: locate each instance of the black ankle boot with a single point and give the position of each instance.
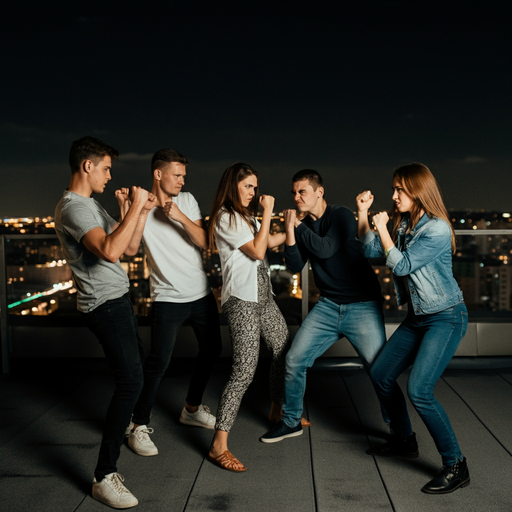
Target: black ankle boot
(397, 445)
(449, 478)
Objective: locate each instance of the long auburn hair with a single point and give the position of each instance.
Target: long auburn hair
(420, 185)
(228, 198)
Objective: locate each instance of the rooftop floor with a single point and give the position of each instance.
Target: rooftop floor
(51, 414)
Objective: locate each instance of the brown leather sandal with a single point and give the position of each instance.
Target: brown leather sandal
(303, 421)
(227, 461)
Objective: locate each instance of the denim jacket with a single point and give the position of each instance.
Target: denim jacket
(425, 257)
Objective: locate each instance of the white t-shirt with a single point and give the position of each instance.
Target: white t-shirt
(239, 270)
(175, 262)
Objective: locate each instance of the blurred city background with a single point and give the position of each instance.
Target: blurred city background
(38, 281)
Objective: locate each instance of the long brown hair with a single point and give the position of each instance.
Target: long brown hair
(420, 185)
(227, 197)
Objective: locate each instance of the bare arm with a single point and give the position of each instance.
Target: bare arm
(276, 240)
(111, 247)
(381, 220)
(133, 246)
(290, 220)
(257, 247)
(194, 229)
(364, 201)
(123, 199)
(124, 206)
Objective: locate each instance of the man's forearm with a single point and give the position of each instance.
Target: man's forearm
(136, 239)
(363, 226)
(196, 232)
(118, 241)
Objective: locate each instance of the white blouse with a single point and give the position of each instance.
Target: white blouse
(239, 270)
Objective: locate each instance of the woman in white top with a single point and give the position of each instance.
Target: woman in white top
(247, 299)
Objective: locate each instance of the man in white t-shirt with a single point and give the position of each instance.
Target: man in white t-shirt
(173, 236)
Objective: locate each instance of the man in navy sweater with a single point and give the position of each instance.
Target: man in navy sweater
(350, 301)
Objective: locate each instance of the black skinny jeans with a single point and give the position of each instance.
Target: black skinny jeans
(115, 325)
(166, 320)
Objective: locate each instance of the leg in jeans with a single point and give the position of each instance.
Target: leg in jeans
(317, 333)
(427, 342)
(115, 326)
(395, 357)
(244, 329)
(363, 325)
(166, 320)
(204, 318)
(442, 334)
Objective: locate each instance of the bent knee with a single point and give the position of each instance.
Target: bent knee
(419, 394)
(295, 362)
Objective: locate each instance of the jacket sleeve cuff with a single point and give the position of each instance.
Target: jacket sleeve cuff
(394, 257)
(367, 237)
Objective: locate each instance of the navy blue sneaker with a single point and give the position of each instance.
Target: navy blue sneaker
(281, 431)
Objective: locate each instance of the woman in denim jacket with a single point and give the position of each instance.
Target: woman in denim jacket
(419, 252)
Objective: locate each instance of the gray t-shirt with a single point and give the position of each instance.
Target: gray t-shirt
(96, 280)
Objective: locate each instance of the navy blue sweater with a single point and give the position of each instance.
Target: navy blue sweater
(342, 273)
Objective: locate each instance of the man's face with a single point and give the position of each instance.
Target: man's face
(99, 174)
(306, 199)
(172, 178)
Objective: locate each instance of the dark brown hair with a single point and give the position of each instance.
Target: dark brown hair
(314, 178)
(89, 148)
(228, 198)
(166, 156)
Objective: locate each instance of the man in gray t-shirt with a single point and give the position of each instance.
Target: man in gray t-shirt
(92, 243)
(96, 279)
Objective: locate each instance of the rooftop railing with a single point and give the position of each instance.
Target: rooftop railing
(36, 285)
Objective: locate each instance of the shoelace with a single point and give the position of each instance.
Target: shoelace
(206, 409)
(117, 482)
(446, 470)
(142, 434)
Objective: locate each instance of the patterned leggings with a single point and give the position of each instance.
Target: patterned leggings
(248, 321)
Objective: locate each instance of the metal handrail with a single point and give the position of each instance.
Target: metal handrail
(5, 338)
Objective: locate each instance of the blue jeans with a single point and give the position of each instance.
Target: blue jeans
(362, 323)
(166, 320)
(427, 342)
(115, 325)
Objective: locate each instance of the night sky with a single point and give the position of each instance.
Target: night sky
(351, 89)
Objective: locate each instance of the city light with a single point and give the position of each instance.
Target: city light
(482, 266)
(295, 284)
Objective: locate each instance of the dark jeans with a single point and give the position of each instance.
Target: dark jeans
(115, 325)
(427, 342)
(166, 320)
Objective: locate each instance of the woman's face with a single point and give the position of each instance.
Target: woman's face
(247, 190)
(402, 200)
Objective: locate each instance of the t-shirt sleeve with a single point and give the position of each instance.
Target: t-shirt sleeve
(193, 213)
(78, 219)
(111, 221)
(236, 235)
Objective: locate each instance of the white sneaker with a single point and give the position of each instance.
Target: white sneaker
(140, 442)
(112, 492)
(201, 418)
(129, 428)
